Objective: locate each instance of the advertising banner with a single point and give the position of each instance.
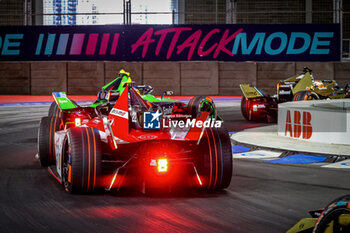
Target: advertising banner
(312, 121)
(226, 42)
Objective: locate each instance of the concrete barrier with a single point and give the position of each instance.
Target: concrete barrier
(162, 76)
(231, 74)
(48, 77)
(342, 73)
(85, 78)
(325, 121)
(184, 78)
(15, 78)
(320, 70)
(199, 78)
(268, 74)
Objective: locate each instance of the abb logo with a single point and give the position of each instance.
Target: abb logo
(300, 126)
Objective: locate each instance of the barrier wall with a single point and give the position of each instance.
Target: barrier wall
(184, 78)
(325, 121)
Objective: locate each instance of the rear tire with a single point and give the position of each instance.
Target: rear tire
(83, 158)
(305, 95)
(46, 139)
(215, 163)
(199, 104)
(54, 110)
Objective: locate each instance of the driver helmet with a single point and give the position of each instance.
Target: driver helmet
(318, 84)
(122, 72)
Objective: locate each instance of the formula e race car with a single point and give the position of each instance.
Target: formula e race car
(335, 218)
(255, 105)
(132, 143)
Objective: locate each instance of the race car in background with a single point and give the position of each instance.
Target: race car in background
(132, 143)
(335, 218)
(255, 105)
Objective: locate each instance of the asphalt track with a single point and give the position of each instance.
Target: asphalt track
(261, 198)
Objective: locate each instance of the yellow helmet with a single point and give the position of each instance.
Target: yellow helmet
(123, 72)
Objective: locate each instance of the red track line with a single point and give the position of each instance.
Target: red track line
(49, 98)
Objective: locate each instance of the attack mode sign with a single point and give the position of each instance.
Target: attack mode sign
(227, 42)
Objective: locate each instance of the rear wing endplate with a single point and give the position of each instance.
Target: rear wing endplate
(63, 101)
(303, 83)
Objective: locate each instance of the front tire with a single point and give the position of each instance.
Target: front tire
(82, 160)
(46, 139)
(200, 104)
(332, 214)
(215, 163)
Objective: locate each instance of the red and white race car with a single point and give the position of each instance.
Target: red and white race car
(130, 143)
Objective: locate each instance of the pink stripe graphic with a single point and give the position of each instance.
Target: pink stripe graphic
(115, 43)
(104, 43)
(77, 44)
(91, 46)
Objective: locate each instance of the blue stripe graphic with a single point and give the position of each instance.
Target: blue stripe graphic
(40, 43)
(49, 44)
(62, 44)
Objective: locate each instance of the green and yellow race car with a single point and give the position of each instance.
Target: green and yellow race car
(334, 218)
(255, 105)
(110, 93)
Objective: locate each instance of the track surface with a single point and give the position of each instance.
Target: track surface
(261, 198)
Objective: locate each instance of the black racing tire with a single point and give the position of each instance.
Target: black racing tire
(305, 95)
(331, 213)
(296, 96)
(84, 156)
(54, 110)
(194, 106)
(46, 139)
(245, 106)
(215, 164)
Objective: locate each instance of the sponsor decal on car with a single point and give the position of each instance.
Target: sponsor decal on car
(119, 113)
(151, 120)
(147, 137)
(62, 101)
(283, 92)
(285, 85)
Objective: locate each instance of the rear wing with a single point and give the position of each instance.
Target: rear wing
(250, 92)
(63, 101)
